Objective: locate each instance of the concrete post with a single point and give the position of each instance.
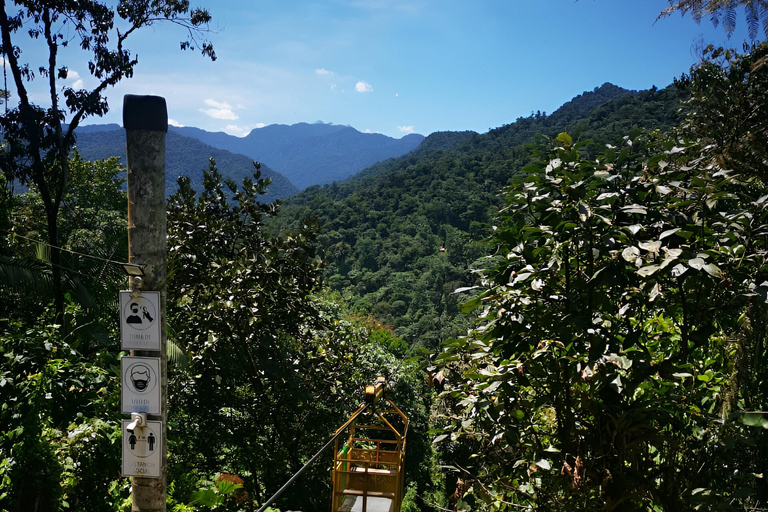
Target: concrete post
(145, 119)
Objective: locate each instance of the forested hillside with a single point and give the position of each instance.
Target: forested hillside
(184, 156)
(402, 235)
(571, 310)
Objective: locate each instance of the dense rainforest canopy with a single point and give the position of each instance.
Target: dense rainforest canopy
(571, 309)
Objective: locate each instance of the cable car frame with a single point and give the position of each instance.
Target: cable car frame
(368, 471)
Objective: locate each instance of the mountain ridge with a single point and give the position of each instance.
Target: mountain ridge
(184, 156)
(305, 153)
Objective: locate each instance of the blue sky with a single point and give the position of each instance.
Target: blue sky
(402, 66)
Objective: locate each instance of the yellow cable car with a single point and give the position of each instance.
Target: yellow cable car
(369, 468)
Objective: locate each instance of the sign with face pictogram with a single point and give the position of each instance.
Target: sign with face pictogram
(142, 448)
(141, 384)
(140, 320)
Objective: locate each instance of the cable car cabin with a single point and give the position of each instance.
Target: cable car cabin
(369, 467)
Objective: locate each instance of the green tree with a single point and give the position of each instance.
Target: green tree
(38, 138)
(275, 365)
(623, 340)
(92, 229)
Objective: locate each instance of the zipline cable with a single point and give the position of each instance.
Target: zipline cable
(312, 460)
(336, 434)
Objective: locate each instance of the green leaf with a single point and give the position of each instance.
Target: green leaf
(635, 208)
(564, 138)
(668, 232)
(439, 438)
(713, 270)
(544, 464)
(754, 419)
(471, 304)
(647, 270)
(206, 498)
(630, 254)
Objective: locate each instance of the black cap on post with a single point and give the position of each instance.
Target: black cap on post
(145, 113)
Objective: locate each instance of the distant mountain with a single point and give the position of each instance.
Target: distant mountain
(310, 154)
(184, 156)
(306, 154)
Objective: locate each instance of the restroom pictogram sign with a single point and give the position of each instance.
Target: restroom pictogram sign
(141, 384)
(140, 320)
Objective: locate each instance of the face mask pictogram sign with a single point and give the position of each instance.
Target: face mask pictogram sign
(141, 384)
(140, 320)
(141, 450)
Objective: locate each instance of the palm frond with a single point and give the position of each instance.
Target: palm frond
(175, 354)
(764, 17)
(25, 276)
(43, 252)
(753, 18)
(729, 20)
(715, 18)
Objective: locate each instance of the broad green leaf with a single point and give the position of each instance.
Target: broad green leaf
(635, 208)
(630, 254)
(650, 246)
(754, 419)
(439, 438)
(713, 270)
(471, 304)
(668, 232)
(647, 270)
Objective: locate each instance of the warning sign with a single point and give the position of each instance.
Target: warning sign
(141, 384)
(140, 320)
(142, 449)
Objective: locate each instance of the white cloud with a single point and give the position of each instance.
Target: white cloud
(260, 125)
(363, 87)
(74, 79)
(368, 130)
(406, 129)
(397, 95)
(323, 71)
(220, 110)
(237, 131)
(175, 123)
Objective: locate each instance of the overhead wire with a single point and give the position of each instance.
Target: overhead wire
(98, 258)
